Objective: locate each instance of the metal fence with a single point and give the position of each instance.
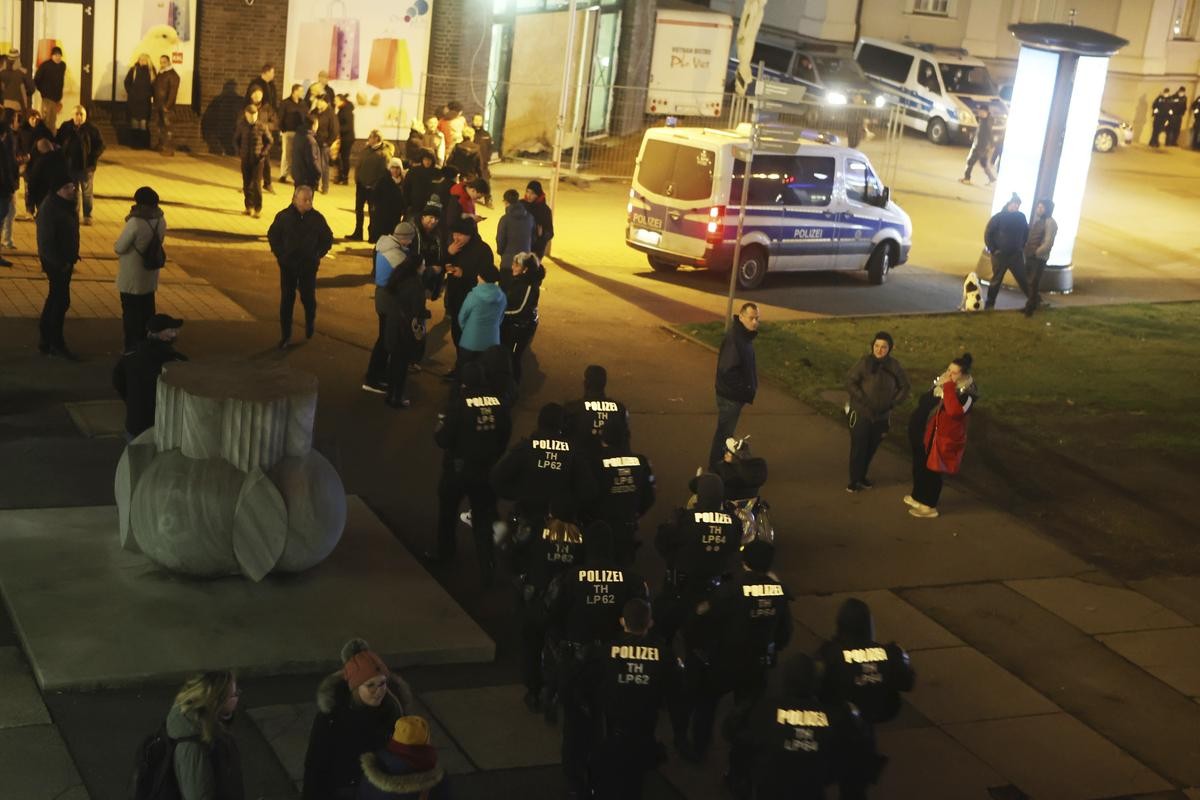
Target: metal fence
(605, 123)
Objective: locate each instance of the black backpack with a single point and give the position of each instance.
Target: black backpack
(154, 770)
(155, 257)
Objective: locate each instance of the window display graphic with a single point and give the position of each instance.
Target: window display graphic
(376, 53)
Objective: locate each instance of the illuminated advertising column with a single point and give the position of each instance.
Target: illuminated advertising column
(1051, 126)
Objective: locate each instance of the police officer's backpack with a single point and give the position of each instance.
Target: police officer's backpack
(154, 769)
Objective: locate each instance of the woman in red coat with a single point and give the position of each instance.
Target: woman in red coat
(937, 433)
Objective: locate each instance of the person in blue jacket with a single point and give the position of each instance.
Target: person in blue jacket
(407, 767)
(481, 315)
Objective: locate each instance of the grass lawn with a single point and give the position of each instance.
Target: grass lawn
(1109, 393)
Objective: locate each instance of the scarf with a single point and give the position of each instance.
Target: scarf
(421, 757)
(148, 213)
(963, 384)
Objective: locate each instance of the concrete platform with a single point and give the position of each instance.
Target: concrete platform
(493, 727)
(91, 615)
(36, 766)
(1098, 609)
(1171, 655)
(98, 417)
(992, 692)
(20, 703)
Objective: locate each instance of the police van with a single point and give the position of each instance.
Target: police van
(939, 89)
(811, 207)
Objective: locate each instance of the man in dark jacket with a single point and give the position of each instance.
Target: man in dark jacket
(465, 158)
(372, 166)
(16, 87)
(981, 148)
(1005, 238)
(345, 121)
(58, 250)
(82, 144)
(1160, 113)
(136, 375)
(514, 231)
(387, 201)
(418, 183)
(468, 255)
(293, 112)
(306, 154)
(166, 91)
(300, 238)
(876, 385)
(270, 123)
(543, 217)
(49, 80)
(1177, 107)
(484, 140)
(47, 163)
(327, 133)
(737, 377)
(252, 142)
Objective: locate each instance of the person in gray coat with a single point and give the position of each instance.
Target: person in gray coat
(137, 285)
(207, 763)
(514, 231)
(876, 384)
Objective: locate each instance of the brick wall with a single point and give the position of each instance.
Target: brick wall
(233, 41)
(459, 44)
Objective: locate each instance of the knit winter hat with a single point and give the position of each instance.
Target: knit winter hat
(405, 230)
(411, 731)
(361, 664)
(395, 162)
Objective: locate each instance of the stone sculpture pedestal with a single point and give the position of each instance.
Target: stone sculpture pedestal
(227, 482)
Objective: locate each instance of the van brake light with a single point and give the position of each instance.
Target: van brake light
(716, 224)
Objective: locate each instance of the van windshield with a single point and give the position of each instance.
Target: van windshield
(966, 79)
(676, 170)
(843, 69)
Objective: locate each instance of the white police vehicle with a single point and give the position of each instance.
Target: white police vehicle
(812, 207)
(1111, 131)
(939, 89)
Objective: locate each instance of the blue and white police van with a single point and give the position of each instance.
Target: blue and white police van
(938, 89)
(811, 207)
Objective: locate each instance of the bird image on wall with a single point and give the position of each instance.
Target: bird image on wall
(161, 40)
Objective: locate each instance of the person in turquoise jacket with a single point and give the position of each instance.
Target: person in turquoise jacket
(481, 315)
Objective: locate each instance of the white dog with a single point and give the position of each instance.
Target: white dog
(972, 298)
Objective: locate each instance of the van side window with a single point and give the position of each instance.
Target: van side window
(810, 181)
(884, 63)
(771, 57)
(805, 70)
(676, 170)
(766, 186)
(861, 184)
(785, 181)
(927, 77)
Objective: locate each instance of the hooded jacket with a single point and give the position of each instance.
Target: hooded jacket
(1041, 234)
(1006, 233)
(57, 233)
(877, 699)
(204, 771)
(344, 730)
(373, 164)
(471, 258)
(514, 234)
(876, 386)
(402, 772)
(946, 430)
(143, 225)
(543, 220)
(418, 185)
(737, 372)
(480, 317)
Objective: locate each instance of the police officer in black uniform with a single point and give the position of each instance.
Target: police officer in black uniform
(585, 419)
(790, 745)
(733, 640)
(542, 469)
(699, 545)
(586, 606)
(474, 430)
(626, 488)
(636, 677)
(539, 560)
(855, 668)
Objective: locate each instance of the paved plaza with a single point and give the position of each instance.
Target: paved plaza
(1038, 675)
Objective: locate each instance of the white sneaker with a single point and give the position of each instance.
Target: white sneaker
(924, 512)
(465, 517)
(908, 500)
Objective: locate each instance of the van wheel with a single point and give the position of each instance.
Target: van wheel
(937, 131)
(752, 267)
(879, 264)
(1105, 142)
(661, 264)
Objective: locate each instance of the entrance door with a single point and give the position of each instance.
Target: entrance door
(69, 24)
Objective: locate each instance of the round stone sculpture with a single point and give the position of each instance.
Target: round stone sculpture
(227, 482)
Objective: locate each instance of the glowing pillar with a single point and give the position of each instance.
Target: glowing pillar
(1060, 78)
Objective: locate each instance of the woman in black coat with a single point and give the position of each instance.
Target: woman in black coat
(357, 709)
(139, 89)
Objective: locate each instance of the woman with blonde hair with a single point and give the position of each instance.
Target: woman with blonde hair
(207, 765)
(139, 89)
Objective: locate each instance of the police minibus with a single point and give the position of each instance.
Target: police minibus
(811, 207)
(939, 89)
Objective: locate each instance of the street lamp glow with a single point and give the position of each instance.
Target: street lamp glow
(835, 99)
(1025, 133)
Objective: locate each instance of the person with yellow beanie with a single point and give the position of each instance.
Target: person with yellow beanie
(406, 767)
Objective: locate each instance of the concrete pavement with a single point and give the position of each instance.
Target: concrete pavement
(1036, 673)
